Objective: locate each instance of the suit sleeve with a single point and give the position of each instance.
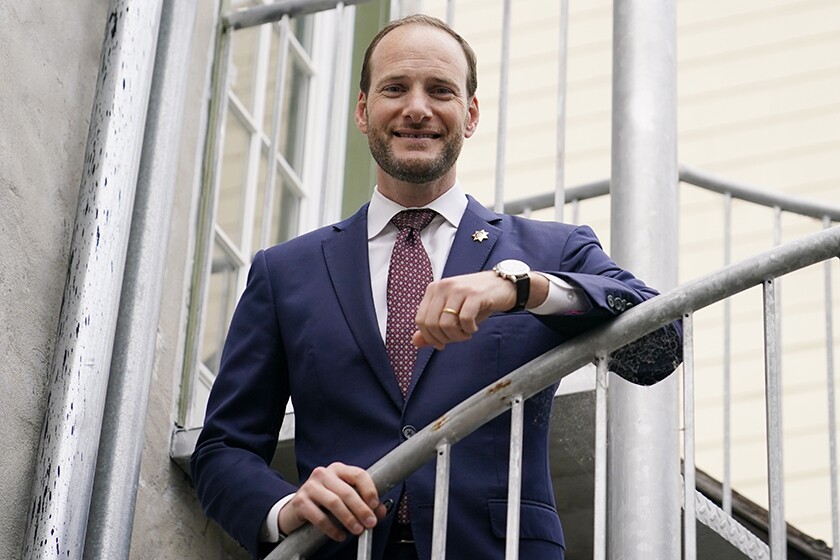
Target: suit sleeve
(230, 464)
(611, 290)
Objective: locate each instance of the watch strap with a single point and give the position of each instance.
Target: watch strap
(523, 291)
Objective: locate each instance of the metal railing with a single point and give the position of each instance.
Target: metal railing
(691, 176)
(509, 392)
(780, 203)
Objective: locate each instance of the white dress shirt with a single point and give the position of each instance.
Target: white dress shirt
(437, 239)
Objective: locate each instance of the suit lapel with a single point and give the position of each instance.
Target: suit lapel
(346, 256)
(465, 257)
(468, 255)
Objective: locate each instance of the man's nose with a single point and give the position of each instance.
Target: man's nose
(417, 106)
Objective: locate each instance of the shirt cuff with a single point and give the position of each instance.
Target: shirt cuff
(563, 298)
(270, 530)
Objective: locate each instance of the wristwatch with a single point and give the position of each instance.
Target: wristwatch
(517, 272)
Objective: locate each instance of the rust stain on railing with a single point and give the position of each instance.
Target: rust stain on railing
(498, 386)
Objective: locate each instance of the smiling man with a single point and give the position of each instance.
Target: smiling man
(377, 325)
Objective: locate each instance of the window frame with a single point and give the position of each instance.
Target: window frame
(314, 179)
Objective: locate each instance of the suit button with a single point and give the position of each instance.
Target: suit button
(408, 431)
(610, 301)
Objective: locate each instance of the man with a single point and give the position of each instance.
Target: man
(328, 319)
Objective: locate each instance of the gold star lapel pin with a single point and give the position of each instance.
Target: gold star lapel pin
(480, 235)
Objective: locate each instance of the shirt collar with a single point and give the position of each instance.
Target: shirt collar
(451, 205)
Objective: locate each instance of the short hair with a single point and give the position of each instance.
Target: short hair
(421, 19)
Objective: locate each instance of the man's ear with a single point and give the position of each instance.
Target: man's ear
(472, 117)
(361, 113)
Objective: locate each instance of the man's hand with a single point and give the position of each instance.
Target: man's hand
(346, 492)
(453, 307)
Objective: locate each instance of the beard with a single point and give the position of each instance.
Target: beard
(414, 170)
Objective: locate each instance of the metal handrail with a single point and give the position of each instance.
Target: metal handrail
(698, 178)
(549, 368)
(758, 195)
(253, 16)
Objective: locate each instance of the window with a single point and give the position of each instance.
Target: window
(269, 151)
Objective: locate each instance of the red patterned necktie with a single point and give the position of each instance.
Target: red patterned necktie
(408, 275)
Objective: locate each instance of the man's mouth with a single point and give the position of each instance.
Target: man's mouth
(416, 135)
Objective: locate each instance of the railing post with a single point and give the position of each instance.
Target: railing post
(517, 420)
(644, 481)
(773, 397)
(689, 472)
(441, 514)
(599, 529)
(832, 414)
(501, 136)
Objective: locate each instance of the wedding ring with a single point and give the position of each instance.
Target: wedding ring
(450, 310)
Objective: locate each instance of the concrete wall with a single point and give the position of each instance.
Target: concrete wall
(49, 56)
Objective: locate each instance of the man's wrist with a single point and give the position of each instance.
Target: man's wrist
(271, 531)
(539, 290)
(562, 298)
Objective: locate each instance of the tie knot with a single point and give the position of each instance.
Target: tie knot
(413, 219)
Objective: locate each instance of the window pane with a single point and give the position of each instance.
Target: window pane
(285, 215)
(232, 184)
(201, 393)
(221, 298)
(242, 72)
(294, 113)
(302, 28)
(271, 80)
(262, 201)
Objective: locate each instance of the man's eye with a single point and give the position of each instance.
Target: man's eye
(442, 91)
(392, 89)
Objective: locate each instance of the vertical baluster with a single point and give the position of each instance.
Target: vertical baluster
(514, 478)
(775, 472)
(832, 415)
(689, 474)
(450, 13)
(600, 505)
(501, 138)
(777, 240)
(562, 57)
(727, 362)
(441, 512)
(365, 545)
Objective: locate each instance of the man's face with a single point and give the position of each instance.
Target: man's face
(416, 113)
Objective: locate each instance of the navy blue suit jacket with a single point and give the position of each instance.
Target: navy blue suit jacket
(305, 328)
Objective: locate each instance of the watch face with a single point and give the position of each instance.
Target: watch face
(513, 266)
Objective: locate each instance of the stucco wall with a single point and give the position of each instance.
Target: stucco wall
(49, 56)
